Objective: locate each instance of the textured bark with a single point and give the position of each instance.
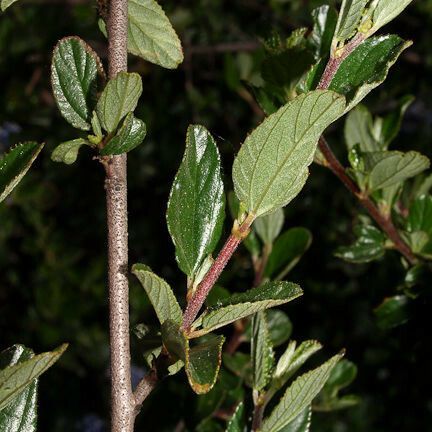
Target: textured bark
(122, 401)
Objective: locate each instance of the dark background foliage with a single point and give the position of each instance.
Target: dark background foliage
(52, 230)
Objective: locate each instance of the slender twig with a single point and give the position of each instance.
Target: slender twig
(258, 415)
(122, 401)
(201, 292)
(144, 388)
(337, 168)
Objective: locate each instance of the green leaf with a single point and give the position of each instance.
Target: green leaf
(301, 423)
(393, 312)
(279, 325)
(394, 167)
(15, 379)
(67, 152)
(151, 36)
(269, 227)
(160, 294)
(325, 19)
(292, 360)
(262, 352)
(202, 361)
(386, 11)
(15, 164)
(299, 396)
(241, 305)
(119, 97)
(237, 423)
(240, 364)
(74, 74)
(272, 165)
(359, 130)
(343, 374)
(4, 5)
(20, 414)
(197, 202)
(349, 19)
(130, 135)
(369, 246)
(420, 215)
(287, 251)
(367, 67)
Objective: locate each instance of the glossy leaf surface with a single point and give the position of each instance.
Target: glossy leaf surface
(196, 205)
(74, 74)
(15, 379)
(420, 215)
(119, 97)
(130, 135)
(367, 67)
(393, 312)
(67, 152)
(299, 396)
(241, 305)
(6, 3)
(325, 19)
(20, 415)
(15, 164)
(160, 294)
(272, 165)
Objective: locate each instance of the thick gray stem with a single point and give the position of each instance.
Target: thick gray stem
(122, 401)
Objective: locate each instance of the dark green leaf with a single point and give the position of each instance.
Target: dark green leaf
(301, 423)
(20, 414)
(240, 364)
(160, 294)
(325, 18)
(15, 379)
(272, 165)
(393, 312)
(420, 215)
(269, 227)
(241, 305)
(369, 246)
(367, 67)
(359, 130)
(119, 97)
(279, 326)
(299, 396)
(130, 135)
(67, 152)
(196, 205)
(262, 352)
(15, 164)
(287, 251)
(151, 35)
(74, 75)
(391, 123)
(342, 375)
(237, 423)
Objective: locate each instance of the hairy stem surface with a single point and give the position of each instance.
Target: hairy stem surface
(122, 401)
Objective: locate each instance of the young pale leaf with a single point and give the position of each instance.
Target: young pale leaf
(367, 67)
(395, 167)
(369, 246)
(67, 152)
(74, 73)
(160, 294)
(4, 5)
(299, 396)
(202, 361)
(119, 97)
(386, 11)
(420, 215)
(15, 164)
(349, 19)
(15, 379)
(151, 36)
(237, 423)
(197, 202)
(262, 352)
(301, 423)
(130, 135)
(241, 305)
(272, 165)
(287, 251)
(20, 414)
(325, 19)
(269, 227)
